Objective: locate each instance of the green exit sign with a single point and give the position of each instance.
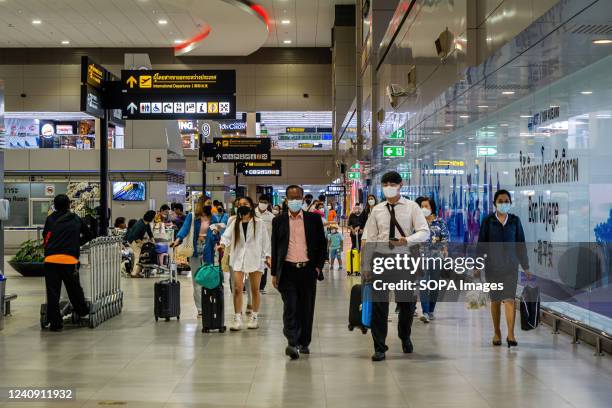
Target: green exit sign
(393, 151)
(398, 134)
(354, 175)
(405, 174)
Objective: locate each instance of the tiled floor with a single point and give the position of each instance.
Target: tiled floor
(132, 361)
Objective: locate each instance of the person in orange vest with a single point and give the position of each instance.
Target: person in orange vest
(63, 235)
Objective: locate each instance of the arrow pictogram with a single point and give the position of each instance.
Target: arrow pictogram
(132, 107)
(131, 81)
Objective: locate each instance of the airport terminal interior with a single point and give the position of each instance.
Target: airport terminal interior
(197, 196)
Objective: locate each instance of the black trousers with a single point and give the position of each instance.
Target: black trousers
(55, 274)
(380, 315)
(298, 288)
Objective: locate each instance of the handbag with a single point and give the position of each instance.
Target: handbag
(185, 250)
(530, 308)
(208, 276)
(225, 260)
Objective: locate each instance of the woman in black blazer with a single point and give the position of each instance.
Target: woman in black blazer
(502, 238)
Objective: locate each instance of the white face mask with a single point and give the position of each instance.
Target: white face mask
(426, 212)
(275, 211)
(262, 206)
(329, 207)
(390, 191)
(372, 202)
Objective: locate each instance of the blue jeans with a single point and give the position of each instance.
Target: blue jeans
(428, 297)
(335, 253)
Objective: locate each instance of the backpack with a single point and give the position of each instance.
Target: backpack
(530, 308)
(148, 254)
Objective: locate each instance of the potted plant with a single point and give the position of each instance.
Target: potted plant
(29, 260)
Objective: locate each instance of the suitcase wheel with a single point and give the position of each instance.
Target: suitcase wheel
(178, 317)
(364, 330)
(167, 319)
(222, 329)
(156, 318)
(205, 330)
(351, 327)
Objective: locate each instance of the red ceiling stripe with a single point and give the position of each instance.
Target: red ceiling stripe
(263, 13)
(197, 38)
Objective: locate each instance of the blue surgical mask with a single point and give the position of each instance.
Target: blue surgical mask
(503, 208)
(294, 205)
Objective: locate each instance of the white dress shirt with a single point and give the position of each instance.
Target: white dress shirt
(266, 217)
(250, 255)
(408, 215)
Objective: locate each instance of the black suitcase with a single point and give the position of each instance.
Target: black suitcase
(213, 315)
(530, 308)
(355, 310)
(168, 297)
(148, 254)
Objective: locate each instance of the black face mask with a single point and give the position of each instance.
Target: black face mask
(220, 210)
(243, 210)
(308, 201)
(207, 209)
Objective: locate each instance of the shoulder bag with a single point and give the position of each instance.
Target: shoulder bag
(185, 250)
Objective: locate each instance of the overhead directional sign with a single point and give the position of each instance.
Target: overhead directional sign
(271, 168)
(241, 149)
(354, 175)
(393, 151)
(399, 134)
(335, 189)
(182, 82)
(93, 80)
(141, 106)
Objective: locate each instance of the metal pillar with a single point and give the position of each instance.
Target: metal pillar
(103, 226)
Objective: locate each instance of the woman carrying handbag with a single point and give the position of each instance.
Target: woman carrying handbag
(197, 241)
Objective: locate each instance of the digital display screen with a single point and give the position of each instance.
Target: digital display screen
(129, 191)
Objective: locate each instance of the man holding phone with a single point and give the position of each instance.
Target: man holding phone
(398, 221)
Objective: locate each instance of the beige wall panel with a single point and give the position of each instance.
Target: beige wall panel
(49, 159)
(15, 159)
(271, 86)
(41, 103)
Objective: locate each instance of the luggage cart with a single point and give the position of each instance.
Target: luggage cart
(100, 277)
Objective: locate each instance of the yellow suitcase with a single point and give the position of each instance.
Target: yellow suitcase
(352, 262)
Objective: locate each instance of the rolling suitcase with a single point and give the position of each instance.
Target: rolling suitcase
(360, 308)
(352, 262)
(213, 307)
(213, 316)
(168, 296)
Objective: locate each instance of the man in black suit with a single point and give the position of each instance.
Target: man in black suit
(298, 256)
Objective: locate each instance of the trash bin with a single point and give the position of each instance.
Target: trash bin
(2, 294)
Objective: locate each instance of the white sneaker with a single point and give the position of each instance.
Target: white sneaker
(253, 324)
(237, 323)
(424, 318)
(432, 317)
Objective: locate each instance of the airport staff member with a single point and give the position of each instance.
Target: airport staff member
(298, 257)
(63, 235)
(399, 221)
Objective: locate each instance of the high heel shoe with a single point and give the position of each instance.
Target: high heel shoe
(511, 343)
(496, 342)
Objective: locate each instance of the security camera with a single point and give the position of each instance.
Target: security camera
(444, 43)
(395, 92)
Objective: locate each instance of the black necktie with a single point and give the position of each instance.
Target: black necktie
(392, 220)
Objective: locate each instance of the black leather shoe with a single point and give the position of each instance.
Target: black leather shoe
(304, 349)
(407, 346)
(292, 352)
(378, 356)
(56, 328)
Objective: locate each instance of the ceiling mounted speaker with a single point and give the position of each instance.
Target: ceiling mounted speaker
(444, 43)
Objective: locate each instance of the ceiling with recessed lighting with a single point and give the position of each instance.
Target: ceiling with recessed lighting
(198, 27)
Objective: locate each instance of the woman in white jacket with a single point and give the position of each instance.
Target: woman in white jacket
(248, 238)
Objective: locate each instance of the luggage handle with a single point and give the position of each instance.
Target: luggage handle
(172, 266)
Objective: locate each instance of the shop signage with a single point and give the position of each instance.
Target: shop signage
(65, 129)
(543, 117)
(271, 168)
(234, 149)
(308, 130)
(452, 163)
(184, 82)
(335, 189)
(232, 126)
(399, 134)
(484, 151)
(393, 151)
(142, 106)
(354, 175)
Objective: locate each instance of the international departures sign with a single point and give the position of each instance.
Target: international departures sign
(241, 149)
(271, 168)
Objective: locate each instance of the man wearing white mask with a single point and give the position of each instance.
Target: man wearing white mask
(263, 211)
(398, 221)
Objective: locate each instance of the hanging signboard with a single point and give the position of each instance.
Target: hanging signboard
(190, 82)
(243, 149)
(93, 80)
(335, 189)
(393, 151)
(399, 134)
(271, 168)
(141, 106)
